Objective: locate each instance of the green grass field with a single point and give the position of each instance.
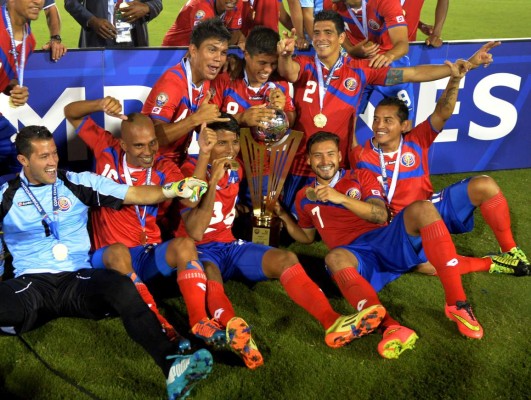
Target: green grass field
(104, 363)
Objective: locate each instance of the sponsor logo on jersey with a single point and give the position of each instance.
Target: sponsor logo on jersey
(156, 110)
(400, 18)
(64, 203)
(376, 192)
(354, 193)
(350, 84)
(199, 15)
(407, 159)
(374, 25)
(24, 203)
(162, 98)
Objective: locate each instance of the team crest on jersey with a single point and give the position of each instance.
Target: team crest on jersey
(374, 25)
(162, 98)
(354, 193)
(199, 15)
(64, 203)
(407, 159)
(350, 84)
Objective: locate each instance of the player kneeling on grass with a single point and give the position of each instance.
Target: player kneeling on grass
(44, 213)
(224, 257)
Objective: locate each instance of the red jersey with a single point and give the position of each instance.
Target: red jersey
(381, 15)
(337, 225)
(260, 12)
(412, 9)
(194, 12)
(339, 105)
(123, 226)
(8, 70)
(220, 227)
(236, 96)
(413, 175)
(169, 101)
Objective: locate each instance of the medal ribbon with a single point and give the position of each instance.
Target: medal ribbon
(363, 28)
(193, 107)
(53, 225)
(129, 181)
(339, 174)
(390, 191)
(323, 86)
(18, 66)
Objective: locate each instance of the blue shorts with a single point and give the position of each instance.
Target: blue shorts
(404, 91)
(235, 259)
(148, 261)
(292, 185)
(386, 253)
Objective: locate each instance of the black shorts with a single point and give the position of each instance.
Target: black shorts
(86, 293)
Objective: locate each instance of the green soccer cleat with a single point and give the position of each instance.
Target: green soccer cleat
(396, 340)
(241, 342)
(510, 263)
(186, 371)
(466, 322)
(349, 327)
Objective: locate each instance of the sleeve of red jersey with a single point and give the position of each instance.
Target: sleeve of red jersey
(370, 187)
(305, 220)
(95, 137)
(423, 134)
(392, 12)
(165, 97)
(235, 17)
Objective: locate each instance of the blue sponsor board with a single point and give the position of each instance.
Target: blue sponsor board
(486, 132)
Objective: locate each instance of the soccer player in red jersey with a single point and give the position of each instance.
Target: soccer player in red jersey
(328, 87)
(197, 11)
(347, 212)
(16, 45)
(399, 160)
(179, 101)
(128, 240)
(224, 257)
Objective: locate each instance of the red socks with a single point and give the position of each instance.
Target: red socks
(472, 264)
(440, 251)
(495, 211)
(192, 283)
(358, 292)
(219, 305)
(307, 294)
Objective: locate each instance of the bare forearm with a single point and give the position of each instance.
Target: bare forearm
(419, 73)
(367, 210)
(288, 68)
(198, 219)
(440, 16)
(294, 230)
(53, 20)
(143, 195)
(168, 133)
(76, 111)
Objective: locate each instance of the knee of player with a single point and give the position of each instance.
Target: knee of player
(181, 250)
(422, 211)
(338, 259)
(482, 188)
(118, 258)
(277, 261)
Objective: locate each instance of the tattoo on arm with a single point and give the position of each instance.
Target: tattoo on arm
(394, 77)
(379, 213)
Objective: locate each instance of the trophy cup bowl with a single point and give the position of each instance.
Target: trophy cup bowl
(274, 130)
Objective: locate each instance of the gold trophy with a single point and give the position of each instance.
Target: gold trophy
(271, 146)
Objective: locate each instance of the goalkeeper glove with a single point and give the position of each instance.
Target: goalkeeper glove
(188, 188)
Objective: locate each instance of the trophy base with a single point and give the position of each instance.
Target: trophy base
(266, 230)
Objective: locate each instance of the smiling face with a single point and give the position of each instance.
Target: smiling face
(324, 159)
(139, 142)
(327, 42)
(207, 60)
(225, 5)
(260, 67)
(387, 127)
(41, 165)
(227, 146)
(24, 10)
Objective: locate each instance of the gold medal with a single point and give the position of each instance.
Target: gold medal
(234, 165)
(143, 238)
(310, 194)
(60, 252)
(320, 120)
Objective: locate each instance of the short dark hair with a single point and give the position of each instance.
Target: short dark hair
(231, 125)
(208, 29)
(262, 40)
(330, 15)
(319, 137)
(29, 134)
(402, 112)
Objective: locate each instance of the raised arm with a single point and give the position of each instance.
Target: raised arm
(76, 111)
(287, 67)
(187, 188)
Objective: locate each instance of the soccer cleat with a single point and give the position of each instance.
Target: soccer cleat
(510, 263)
(211, 332)
(350, 327)
(186, 371)
(396, 339)
(241, 342)
(466, 322)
